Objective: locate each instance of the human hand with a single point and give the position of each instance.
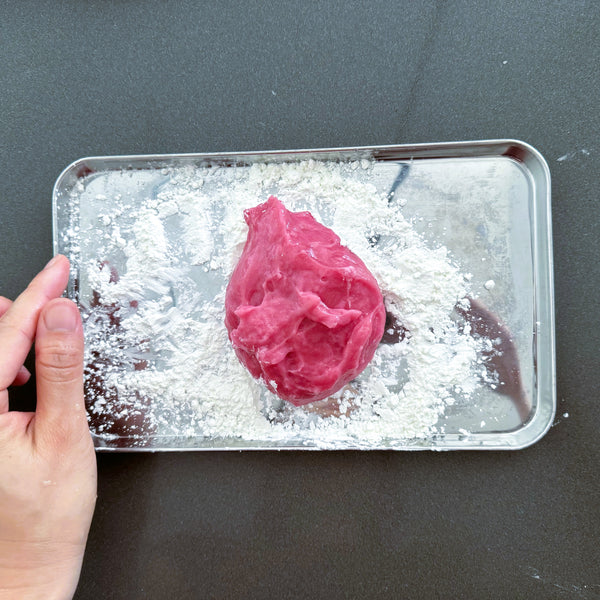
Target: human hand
(47, 459)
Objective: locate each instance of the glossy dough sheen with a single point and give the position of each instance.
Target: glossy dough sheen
(302, 311)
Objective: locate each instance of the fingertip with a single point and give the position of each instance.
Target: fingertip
(49, 283)
(59, 259)
(59, 315)
(54, 276)
(22, 377)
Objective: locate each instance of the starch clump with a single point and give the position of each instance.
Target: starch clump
(303, 312)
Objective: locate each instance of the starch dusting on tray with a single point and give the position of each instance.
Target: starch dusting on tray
(303, 312)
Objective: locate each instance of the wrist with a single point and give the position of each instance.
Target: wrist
(41, 584)
(27, 575)
(53, 591)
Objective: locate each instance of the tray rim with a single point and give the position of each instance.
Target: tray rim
(513, 149)
(425, 150)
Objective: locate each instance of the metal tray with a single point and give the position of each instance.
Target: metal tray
(488, 202)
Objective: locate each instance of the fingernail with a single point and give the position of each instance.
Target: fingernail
(61, 317)
(52, 262)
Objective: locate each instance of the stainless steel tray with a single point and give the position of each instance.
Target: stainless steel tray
(488, 202)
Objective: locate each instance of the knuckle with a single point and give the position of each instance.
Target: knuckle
(66, 433)
(60, 361)
(59, 434)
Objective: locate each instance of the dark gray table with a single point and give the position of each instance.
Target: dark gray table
(82, 77)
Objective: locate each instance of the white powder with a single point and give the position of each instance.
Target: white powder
(168, 367)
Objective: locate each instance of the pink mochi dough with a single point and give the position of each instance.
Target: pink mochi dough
(303, 312)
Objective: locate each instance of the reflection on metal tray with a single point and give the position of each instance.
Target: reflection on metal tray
(488, 202)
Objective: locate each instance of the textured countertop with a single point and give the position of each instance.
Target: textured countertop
(87, 78)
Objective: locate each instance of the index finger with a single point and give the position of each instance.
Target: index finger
(19, 323)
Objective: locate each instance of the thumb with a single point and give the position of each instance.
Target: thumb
(60, 415)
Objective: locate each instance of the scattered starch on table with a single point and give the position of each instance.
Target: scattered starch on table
(155, 334)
